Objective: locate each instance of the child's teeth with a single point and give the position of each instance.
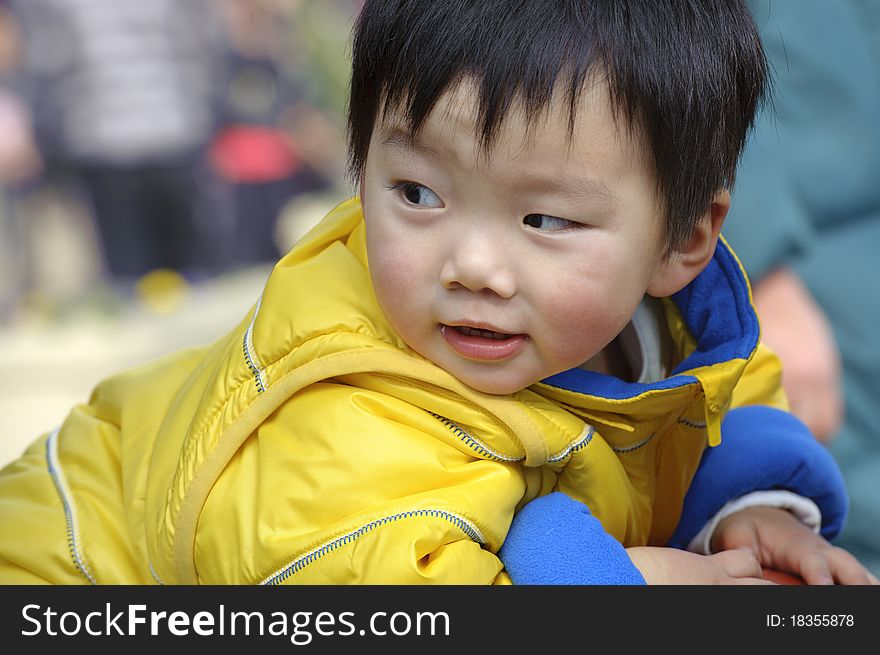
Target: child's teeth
(486, 334)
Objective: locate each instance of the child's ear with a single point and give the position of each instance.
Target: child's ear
(689, 260)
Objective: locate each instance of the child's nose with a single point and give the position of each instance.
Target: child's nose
(479, 265)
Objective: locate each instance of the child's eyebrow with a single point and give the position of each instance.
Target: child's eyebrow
(569, 185)
(398, 137)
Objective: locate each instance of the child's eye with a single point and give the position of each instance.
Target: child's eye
(549, 223)
(420, 195)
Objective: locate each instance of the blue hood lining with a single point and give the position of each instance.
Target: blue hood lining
(716, 309)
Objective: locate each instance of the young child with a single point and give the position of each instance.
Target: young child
(502, 362)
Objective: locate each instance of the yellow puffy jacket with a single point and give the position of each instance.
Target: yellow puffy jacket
(311, 445)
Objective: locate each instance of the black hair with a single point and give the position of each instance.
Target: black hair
(688, 75)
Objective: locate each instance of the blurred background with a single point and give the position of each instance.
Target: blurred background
(156, 157)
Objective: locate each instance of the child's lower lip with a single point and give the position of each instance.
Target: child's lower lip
(482, 348)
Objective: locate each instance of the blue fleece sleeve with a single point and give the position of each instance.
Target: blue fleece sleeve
(763, 448)
(554, 540)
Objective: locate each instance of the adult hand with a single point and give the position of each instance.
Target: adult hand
(795, 327)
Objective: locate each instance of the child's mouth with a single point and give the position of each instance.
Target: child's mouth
(482, 344)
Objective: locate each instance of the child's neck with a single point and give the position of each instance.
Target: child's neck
(611, 360)
(642, 352)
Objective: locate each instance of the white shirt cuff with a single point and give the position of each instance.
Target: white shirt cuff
(803, 508)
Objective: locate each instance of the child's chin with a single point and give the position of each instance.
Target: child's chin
(501, 387)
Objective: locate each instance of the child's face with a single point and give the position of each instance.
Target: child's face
(507, 269)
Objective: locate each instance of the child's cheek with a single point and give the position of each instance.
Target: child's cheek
(580, 322)
(395, 285)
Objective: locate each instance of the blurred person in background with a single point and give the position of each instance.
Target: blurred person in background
(182, 131)
(254, 152)
(123, 99)
(281, 137)
(805, 220)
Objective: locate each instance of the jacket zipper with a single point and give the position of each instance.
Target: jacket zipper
(250, 354)
(474, 443)
(312, 556)
(74, 546)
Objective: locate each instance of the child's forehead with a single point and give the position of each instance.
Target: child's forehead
(590, 121)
